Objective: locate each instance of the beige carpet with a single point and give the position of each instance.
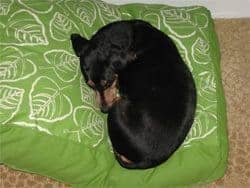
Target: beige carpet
(234, 37)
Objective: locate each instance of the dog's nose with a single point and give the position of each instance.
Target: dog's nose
(91, 83)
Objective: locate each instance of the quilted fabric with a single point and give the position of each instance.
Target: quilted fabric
(49, 122)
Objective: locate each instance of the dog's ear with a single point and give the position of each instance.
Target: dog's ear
(79, 43)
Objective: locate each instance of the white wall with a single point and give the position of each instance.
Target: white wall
(219, 8)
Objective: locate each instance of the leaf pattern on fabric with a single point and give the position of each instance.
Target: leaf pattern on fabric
(84, 10)
(203, 126)
(5, 6)
(152, 17)
(200, 51)
(10, 101)
(61, 27)
(24, 28)
(181, 23)
(47, 101)
(90, 126)
(207, 86)
(42, 7)
(108, 13)
(32, 125)
(14, 65)
(64, 64)
(87, 94)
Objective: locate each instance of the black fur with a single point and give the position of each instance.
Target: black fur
(158, 95)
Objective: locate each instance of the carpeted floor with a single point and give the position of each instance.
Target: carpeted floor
(234, 37)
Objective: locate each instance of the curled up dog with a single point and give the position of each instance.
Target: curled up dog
(144, 86)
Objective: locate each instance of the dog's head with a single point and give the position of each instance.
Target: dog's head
(107, 52)
(102, 57)
(95, 67)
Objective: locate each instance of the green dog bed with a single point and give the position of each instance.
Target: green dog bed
(49, 123)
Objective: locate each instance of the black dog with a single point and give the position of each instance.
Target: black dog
(157, 91)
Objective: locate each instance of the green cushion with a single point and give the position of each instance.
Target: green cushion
(50, 124)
